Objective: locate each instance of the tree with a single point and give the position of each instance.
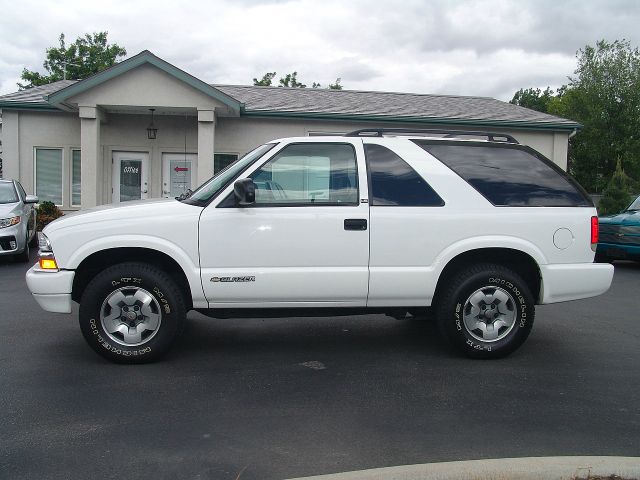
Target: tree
(604, 96)
(266, 79)
(86, 56)
(290, 80)
(336, 85)
(616, 196)
(533, 98)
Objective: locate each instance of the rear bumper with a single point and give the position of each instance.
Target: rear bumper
(52, 290)
(564, 282)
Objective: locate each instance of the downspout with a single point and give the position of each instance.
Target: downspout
(571, 135)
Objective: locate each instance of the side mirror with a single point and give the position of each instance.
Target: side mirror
(245, 192)
(30, 199)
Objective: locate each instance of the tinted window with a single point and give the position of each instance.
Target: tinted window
(509, 175)
(309, 174)
(21, 191)
(394, 182)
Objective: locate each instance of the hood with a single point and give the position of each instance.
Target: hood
(631, 217)
(139, 210)
(8, 210)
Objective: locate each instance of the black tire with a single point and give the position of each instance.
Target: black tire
(129, 279)
(486, 280)
(33, 243)
(24, 256)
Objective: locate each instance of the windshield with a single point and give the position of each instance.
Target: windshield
(635, 205)
(8, 193)
(212, 187)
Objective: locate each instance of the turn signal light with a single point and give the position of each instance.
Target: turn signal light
(594, 233)
(48, 264)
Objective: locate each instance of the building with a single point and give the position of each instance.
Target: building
(89, 142)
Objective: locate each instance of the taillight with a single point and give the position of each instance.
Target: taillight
(594, 233)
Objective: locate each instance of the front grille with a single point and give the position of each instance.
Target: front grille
(6, 242)
(622, 234)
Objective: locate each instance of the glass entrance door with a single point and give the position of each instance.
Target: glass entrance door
(130, 176)
(178, 173)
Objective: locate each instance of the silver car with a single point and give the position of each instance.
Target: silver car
(17, 220)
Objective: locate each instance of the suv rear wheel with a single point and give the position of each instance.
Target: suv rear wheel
(131, 313)
(486, 311)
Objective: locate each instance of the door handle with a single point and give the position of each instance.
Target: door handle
(355, 224)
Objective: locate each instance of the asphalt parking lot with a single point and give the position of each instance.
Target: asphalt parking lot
(273, 399)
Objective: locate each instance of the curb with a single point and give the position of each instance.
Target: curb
(528, 468)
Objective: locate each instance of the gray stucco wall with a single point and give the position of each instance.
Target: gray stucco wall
(23, 131)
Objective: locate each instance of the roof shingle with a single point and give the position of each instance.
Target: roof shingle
(386, 104)
(352, 103)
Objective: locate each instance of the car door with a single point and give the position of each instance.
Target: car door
(28, 211)
(304, 242)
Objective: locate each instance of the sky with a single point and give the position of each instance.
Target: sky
(466, 47)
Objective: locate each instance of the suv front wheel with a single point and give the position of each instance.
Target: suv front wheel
(486, 311)
(131, 313)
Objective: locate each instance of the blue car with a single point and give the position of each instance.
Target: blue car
(620, 235)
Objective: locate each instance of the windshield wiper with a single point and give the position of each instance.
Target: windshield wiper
(185, 195)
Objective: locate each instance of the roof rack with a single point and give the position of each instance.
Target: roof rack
(380, 132)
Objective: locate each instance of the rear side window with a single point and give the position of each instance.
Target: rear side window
(394, 183)
(508, 175)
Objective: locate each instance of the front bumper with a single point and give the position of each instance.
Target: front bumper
(52, 290)
(564, 282)
(14, 235)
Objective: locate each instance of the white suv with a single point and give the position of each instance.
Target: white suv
(385, 221)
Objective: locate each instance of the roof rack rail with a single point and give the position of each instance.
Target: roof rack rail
(380, 132)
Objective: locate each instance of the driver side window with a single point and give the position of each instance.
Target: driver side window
(308, 174)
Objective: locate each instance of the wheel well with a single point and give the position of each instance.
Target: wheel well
(98, 261)
(516, 260)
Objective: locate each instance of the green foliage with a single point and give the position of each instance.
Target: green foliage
(604, 96)
(533, 98)
(336, 85)
(290, 80)
(86, 56)
(266, 79)
(47, 213)
(616, 196)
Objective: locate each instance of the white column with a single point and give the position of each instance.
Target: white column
(206, 144)
(11, 150)
(90, 157)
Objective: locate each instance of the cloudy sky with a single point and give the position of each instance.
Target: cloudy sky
(466, 47)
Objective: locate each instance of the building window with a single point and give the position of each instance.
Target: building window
(75, 178)
(223, 160)
(49, 175)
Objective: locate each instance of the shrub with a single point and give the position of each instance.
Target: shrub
(616, 196)
(47, 213)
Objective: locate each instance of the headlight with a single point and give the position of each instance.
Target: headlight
(9, 222)
(43, 243)
(46, 260)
